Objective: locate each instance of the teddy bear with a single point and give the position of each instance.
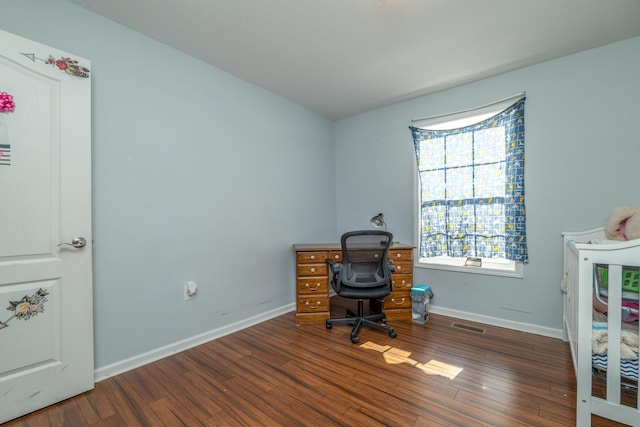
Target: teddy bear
(623, 224)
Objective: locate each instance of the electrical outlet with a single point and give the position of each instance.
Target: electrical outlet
(190, 290)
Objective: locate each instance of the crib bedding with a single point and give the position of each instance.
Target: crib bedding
(628, 368)
(629, 338)
(629, 342)
(628, 347)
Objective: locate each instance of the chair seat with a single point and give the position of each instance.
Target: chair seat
(364, 293)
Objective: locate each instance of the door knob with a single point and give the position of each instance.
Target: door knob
(78, 242)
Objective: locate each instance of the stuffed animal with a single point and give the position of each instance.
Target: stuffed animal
(623, 224)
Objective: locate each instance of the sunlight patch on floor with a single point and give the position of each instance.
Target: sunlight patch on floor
(396, 356)
(435, 367)
(377, 347)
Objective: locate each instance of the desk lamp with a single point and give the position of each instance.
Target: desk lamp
(378, 221)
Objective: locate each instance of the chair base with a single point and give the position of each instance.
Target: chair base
(359, 320)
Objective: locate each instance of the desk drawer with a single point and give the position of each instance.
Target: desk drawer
(397, 300)
(313, 285)
(312, 269)
(312, 303)
(402, 282)
(403, 267)
(398, 314)
(335, 256)
(311, 257)
(400, 254)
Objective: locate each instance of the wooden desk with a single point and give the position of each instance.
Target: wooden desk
(312, 282)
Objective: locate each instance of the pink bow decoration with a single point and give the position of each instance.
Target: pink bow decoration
(6, 103)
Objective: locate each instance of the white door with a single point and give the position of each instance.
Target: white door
(46, 302)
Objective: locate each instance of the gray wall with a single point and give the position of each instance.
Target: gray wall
(582, 151)
(197, 175)
(200, 176)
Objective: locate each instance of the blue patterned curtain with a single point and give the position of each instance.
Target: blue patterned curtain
(472, 188)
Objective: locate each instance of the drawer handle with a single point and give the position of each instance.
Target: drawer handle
(313, 289)
(313, 270)
(312, 306)
(336, 256)
(393, 300)
(399, 268)
(399, 255)
(313, 257)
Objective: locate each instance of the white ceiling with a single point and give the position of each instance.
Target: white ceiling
(344, 57)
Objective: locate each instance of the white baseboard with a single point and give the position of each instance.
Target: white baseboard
(162, 352)
(495, 321)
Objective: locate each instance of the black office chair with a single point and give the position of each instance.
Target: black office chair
(365, 273)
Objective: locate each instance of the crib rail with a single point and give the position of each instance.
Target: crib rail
(581, 287)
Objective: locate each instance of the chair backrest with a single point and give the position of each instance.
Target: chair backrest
(364, 258)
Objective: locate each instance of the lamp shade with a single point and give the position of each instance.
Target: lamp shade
(378, 221)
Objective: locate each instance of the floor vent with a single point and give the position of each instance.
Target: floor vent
(468, 328)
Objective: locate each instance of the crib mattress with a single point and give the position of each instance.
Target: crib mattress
(628, 368)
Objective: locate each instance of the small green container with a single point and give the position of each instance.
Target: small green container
(629, 278)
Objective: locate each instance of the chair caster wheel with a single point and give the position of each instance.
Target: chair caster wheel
(328, 325)
(355, 340)
(393, 334)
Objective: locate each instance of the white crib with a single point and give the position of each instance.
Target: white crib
(580, 258)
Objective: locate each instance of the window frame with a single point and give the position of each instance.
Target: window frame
(501, 267)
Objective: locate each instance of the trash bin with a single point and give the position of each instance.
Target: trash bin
(420, 296)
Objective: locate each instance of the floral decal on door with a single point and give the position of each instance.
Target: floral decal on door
(66, 64)
(27, 307)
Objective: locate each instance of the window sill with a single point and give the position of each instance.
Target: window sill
(515, 270)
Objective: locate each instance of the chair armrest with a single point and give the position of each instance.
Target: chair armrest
(391, 269)
(334, 269)
(390, 264)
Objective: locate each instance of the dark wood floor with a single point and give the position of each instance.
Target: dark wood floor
(279, 374)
